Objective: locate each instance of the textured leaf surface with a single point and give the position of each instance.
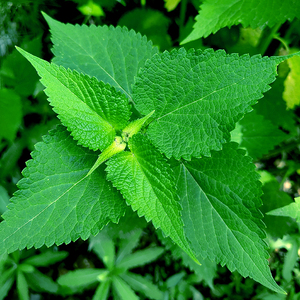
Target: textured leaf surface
(220, 200)
(56, 203)
(112, 55)
(257, 135)
(10, 113)
(91, 110)
(291, 210)
(216, 14)
(291, 92)
(199, 96)
(146, 181)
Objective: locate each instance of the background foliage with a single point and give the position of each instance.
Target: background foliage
(269, 134)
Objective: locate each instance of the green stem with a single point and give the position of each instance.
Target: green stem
(283, 42)
(266, 43)
(183, 7)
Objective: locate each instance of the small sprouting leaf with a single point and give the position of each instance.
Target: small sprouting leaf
(56, 201)
(147, 183)
(198, 96)
(220, 200)
(91, 110)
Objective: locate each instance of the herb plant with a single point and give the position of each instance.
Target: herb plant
(150, 130)
(116, 274)
(21, 266)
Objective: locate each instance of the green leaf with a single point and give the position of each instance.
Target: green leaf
(17, 73)
(104, 247)
(291, 92)
(171, 4)
(45, 259)
(41, 283)
(10, 114)
(80, 277)
(5, 287)
(198, 96)
(274, 198)
(291, 210)
(4, 199)
(57, 202)
(91, 9)
(123, 289)
(257, 135)
(102, 291)
(142, 285)
(128, 244)
(207, 270)
(146, 181)
(112, 55)
(140, 258)
(216, 14)
(220, 200)
(91, 110)
(273, 108)
(22, 286)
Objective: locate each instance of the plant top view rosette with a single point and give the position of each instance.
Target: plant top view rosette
(149, 130)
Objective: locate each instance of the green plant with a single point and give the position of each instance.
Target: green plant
(115, 275)
(20, 266)
(162, 123)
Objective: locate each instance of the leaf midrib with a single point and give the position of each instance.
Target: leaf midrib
(245, 252)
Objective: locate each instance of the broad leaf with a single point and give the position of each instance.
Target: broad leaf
(91, 110)
(10, 114)
(56, 201)
(216, 14)
(147, 183)
(198, 96)
(220, 199)
(112, 55)
(257, 135)
(291, 210)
